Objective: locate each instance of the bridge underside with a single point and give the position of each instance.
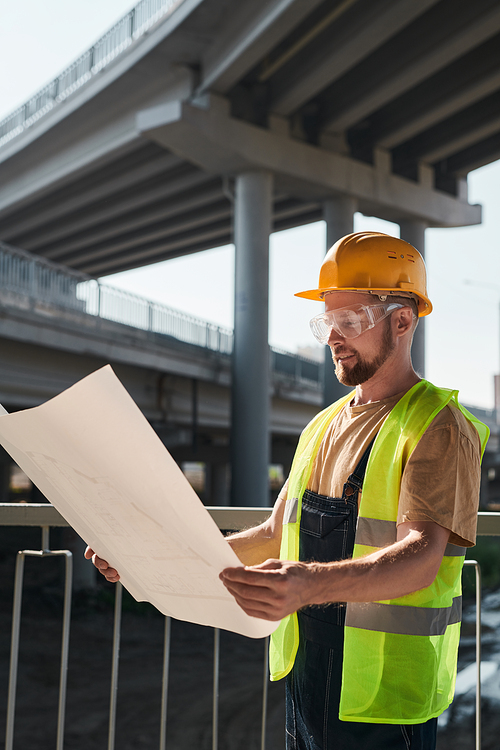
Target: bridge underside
(391, 102)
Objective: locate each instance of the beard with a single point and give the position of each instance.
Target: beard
(365, 369)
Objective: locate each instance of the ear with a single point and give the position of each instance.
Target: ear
(403, 320)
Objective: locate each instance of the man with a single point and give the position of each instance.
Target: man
(367, 583)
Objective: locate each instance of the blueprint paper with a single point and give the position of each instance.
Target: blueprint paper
(93, 454)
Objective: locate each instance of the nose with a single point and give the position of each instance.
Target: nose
(335, 337)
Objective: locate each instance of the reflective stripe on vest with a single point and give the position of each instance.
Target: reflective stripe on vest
(374, 532)
(391, 618)
(399, 665)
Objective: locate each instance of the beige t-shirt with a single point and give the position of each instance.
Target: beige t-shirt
(440, 480)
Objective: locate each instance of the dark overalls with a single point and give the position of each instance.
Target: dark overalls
(327, 530)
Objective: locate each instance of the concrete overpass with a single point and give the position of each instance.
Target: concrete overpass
(57, 326)
(192, 116)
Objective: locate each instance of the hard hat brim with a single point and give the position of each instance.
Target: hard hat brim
(423, 302)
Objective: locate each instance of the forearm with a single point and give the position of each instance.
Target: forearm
(254, 546)
(260, 543)
(386, 574)
(276, 588)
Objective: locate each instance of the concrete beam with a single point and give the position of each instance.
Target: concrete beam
(183, 216)
(476, 161)
(219, 144)
(249, 36)
(110, 210)
(447, 107)
(146, 237)
(456, 46)
(134, 220)
(373, 27)
(213, 235)
(461, 142)
(19, 189)
(100, 189)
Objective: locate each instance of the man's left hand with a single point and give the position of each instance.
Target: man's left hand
(272, 590)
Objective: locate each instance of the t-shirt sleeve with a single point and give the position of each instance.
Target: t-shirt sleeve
(442, 478)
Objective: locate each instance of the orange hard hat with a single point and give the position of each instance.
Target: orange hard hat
(374, 263)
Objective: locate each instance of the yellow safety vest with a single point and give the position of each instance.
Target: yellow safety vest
(400, 655)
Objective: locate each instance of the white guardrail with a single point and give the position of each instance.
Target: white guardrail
(45, 516)
(120, 36)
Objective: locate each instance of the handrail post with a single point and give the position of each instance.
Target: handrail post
(115, 666)
(45, 539)
(215, 700)
(63, 678)
(265, 689)
(14, 650)
(478, 655)
(478, 649)
(164, 691)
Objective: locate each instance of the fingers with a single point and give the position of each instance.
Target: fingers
(109, 573)
(270, 591)
(256, 574)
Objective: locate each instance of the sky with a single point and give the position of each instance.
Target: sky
(38, 40)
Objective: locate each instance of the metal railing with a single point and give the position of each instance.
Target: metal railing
(37, 280)
(46, 516)
(32, 282)
(124, 307)
(114, 42)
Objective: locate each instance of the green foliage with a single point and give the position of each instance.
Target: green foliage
(487, 553)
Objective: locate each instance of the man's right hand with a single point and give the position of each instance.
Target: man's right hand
(110, 574)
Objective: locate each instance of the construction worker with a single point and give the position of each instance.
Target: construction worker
(367, 583)
(361, 557)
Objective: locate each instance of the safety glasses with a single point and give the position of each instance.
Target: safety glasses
(350, 322)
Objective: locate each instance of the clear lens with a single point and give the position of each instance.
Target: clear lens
(350, 322)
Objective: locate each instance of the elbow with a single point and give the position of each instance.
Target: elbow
(428, 572)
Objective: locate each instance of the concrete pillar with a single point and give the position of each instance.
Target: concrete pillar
(413, 231)
(219, 484)
(250, 387)
(5, 467)
(338, 214)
